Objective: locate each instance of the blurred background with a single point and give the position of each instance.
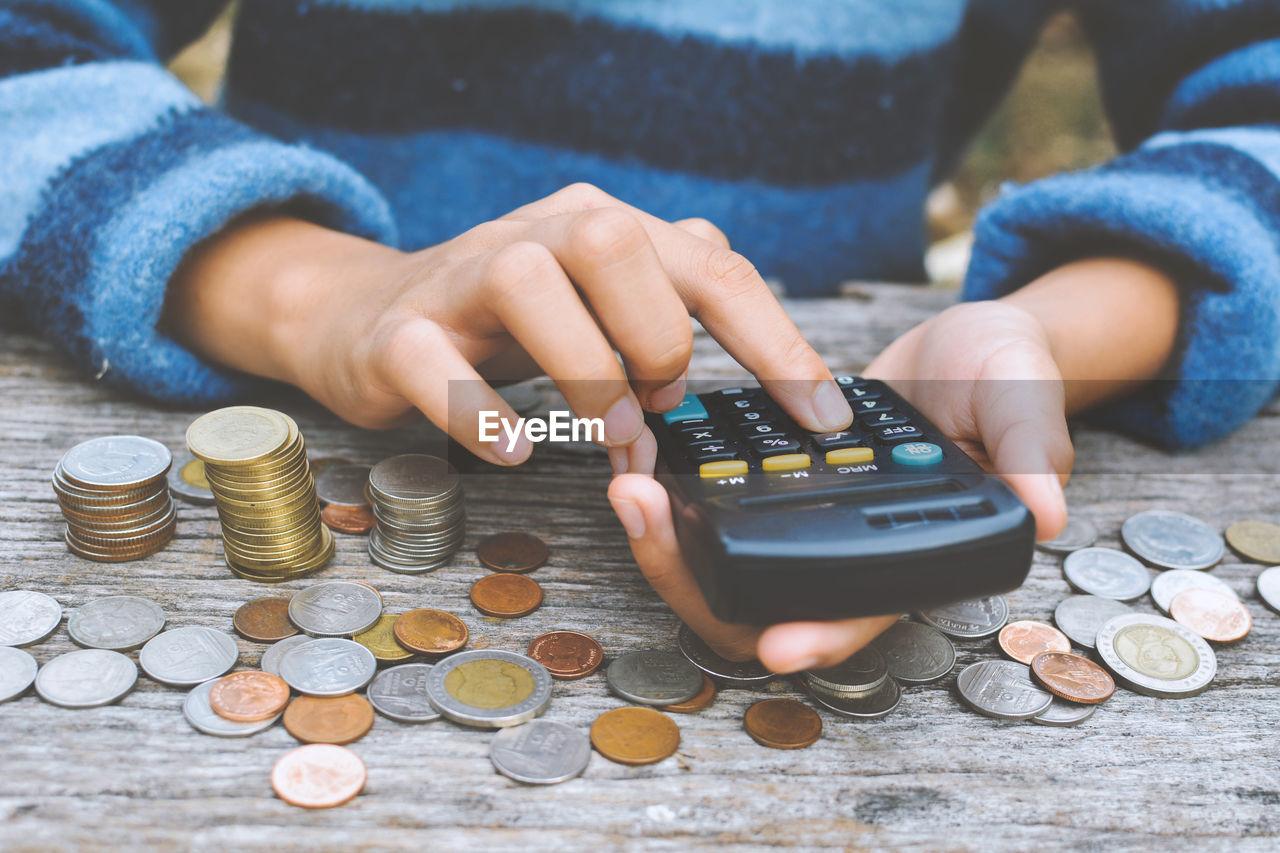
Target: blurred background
(1051, 121)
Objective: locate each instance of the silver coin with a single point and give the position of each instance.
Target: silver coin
(414, 478)
(343, 485)
(969, 620)
(1079, 533)
(118, 622)
(400, 693)
(1269, 587)
(728, 673)
(1080, 617)
(535, 691)
(17, 672)
(915, 653)
(540, 752)
(861, 673)
(653, 677)
(1002, 689)
(328, 667)
(524, 397)
(1172, 540)
(276, 651)
(878, 703)
(335, 609)
(184, 657)
(203, 718)
(1168, 584)
(179, 486)
(86, 678)
(1064, 713)
(1156, 656)
(27, 617)
(1106, 573)
(116, 461)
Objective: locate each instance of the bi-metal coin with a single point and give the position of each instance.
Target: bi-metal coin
(400, 693)
(185, 657)
(745, 674)
(1080, 617)
(328, 667)
(1079, 533)
(187, 480)
(1168, 584)
(968, 620)
(540, 752)
(27, 617)
(652, 677)
(200, 715)
(86, 678)
(490, 689)
(17, 672)
(117, 623)
(1106, 573)
(1002, 689)
(1172, 540)
(335, 609)
(915, 653)
(1156, 656)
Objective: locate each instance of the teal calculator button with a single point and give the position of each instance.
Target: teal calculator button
(917, 453)
(690, 409)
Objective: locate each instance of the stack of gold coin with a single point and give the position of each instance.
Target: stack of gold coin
(256, 463)
(115, 497)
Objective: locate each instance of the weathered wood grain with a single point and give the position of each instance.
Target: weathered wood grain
(1199, 773)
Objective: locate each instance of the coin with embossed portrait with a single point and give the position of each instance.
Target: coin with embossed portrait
(540, 752)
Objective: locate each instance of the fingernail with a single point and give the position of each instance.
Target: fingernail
(623, 421)
(669, 396)
(629, 514)
(517, 453)
(830, 408)
(619, 458)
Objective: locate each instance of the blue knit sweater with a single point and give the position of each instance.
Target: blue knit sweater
(809, 131)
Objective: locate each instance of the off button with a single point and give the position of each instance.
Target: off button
(917, 453)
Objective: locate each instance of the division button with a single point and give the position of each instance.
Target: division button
(918, 453)
(787, 462)
(723, 468)
(850, 456)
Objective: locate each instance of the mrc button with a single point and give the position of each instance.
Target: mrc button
(917, 453)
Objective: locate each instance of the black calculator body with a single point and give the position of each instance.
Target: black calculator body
(779, 524)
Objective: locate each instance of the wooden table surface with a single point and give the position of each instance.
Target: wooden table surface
(1198, 773)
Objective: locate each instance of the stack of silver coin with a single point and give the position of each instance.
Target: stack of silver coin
(114, 497)
(859, 687)
(417, 501)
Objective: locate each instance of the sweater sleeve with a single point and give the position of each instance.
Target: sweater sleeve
(111, 170)
(1193, 93)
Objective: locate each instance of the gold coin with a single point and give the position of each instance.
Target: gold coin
(1258, 541)
(635, 735)
(238, 435)
(381, 640)
(489, 683)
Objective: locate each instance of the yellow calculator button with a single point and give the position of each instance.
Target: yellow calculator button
(786, 462)
(723, 468)
(850, 456)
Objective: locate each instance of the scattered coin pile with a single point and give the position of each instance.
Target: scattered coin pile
(115, 498)
(256, 465)
(417, 502)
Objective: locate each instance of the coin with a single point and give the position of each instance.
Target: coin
(1269, 588)
(318, 776)
(17, 672)
(1106, 573)
(1156, 656)
(635, 736)
(879, 702)
(328, 667)
(400, 693)
(332, 719)
(1079, 533)
(1212, 614)
(421, 520)
(1168, 584)
(652, 677)
(115, 461)
(187, 481)
(861, 673)
(1258, 541)
(184, 657)
(746, 674)
(431, 632)
(86, 678)
(540, 752)
(1063, 713)
(341, 519)
(1080, 617)
(1023, 640)
(271, 657)
(915, 653)
(782, 724)
(489, 689)
(381, 640)
(238, 436)
(248, 696)
(512, 552)
(1002, 689)
(506, 596)
(27, 617)
(264, 620)
(1072, 677)
(335, 609)
(700, 702)
(968, 620)
(567, 655)
(1172, 540)
(201, 717)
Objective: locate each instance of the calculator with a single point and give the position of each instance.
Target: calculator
(781, 524)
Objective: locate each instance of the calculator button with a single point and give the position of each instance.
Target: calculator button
(701, 434)
(850, 456)
(711, 452)
(722, 468)
(834, 440)
(917, 453)
(690, 408)
(787, 462)
(771, 445)
(746, 419)
(870, 403)
(760, 428)
(878, 419)
(748, 404)
(852, 381)
(861, 392)
(902, 432)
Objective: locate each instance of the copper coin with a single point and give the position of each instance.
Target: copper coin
(1072, 677)
(635, 735)
(567, 655)
(782, 724)
(1213, 615)
(705, 698)
(341, 719)
(264, 620)
(431, 632)
(507, 596)
(319, 776)
(512, 552)
(249, 696)
(353, 520)
(1023, 640)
